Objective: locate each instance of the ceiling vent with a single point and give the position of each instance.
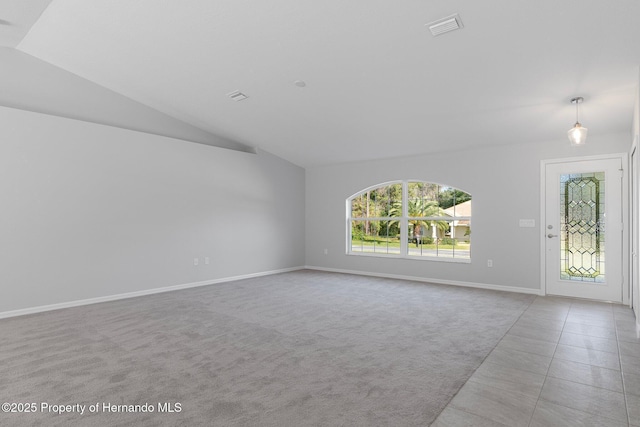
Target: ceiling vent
(237, 96)
(444, 25)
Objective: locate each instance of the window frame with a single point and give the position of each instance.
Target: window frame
(403, 224)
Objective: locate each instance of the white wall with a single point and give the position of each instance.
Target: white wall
(89, 211)
(504, 183)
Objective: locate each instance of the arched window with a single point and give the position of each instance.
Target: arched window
(413, 219)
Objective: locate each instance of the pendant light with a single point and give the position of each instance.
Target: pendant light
(577, 134)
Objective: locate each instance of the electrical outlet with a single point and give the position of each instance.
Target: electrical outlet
(206, 260)
(489, 263)
(326, 251)
(196, 261)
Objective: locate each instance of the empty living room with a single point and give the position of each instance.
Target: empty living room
(298, 213)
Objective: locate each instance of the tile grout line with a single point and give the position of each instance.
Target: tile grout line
(624, 388)
(546, 375)
(498, 343)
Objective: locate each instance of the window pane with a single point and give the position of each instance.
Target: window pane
(423, 200)
(395, 200)
(378, 202)
(582, 227)
(357, 207)
(380, 199)
(441, 239)
(380, 237)
(452, 200)
(424, 192)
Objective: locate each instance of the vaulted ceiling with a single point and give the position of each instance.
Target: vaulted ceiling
(378, 84)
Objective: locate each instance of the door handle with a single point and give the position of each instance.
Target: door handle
(551, 235)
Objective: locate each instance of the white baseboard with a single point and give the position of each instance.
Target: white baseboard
(107, 298)
(430, 280)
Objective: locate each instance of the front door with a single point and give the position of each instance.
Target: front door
(583, 229)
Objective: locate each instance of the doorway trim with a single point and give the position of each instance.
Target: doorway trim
(626, 253)
(634, 229)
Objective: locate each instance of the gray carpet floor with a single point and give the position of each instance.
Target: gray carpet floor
(305, 348)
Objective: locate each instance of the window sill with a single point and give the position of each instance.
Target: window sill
(415, 258)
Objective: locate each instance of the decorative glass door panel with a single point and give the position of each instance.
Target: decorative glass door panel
(582, 214)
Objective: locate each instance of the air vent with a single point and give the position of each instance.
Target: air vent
(444, 25)
(237, 96)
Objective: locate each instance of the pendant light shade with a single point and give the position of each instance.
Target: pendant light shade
(578, 133)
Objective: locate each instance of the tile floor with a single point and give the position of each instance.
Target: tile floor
(563, 363)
